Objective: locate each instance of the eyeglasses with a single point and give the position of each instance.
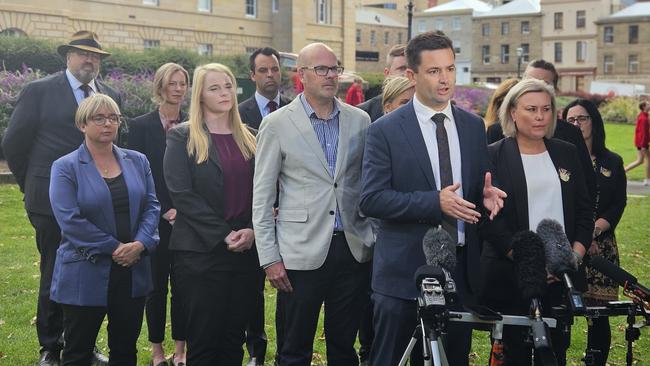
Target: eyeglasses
(88, 54)
(100, 119)
(578, 120)
(324, 70)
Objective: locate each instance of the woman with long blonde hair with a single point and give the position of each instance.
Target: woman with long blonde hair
(208, 168)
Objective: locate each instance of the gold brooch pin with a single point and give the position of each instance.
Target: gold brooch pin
(605, 172)
(565, 175)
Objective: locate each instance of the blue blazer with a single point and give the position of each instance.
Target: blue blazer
(398, 187)
(82, 205)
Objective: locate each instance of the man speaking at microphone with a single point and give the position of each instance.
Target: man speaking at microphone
(425, 165)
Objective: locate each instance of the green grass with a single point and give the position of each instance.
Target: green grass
(19, 281)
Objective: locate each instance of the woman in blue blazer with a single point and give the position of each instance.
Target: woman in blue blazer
(104, 200)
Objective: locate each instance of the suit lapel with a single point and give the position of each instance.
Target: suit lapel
(344, 138)
(411, 127)
(517, 179)
(558, 163)
(68, 97)
(303, 125)
(95, 181)
(465, 151)
(254, 109)
(133, 187)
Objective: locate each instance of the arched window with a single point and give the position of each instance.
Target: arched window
(13, 32)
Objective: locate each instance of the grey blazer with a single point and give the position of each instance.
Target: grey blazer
(290, 159)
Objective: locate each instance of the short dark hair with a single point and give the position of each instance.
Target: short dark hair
(397, 50)
(548, 66)
(642, 105)
(427, 41)
(266, 51)
(597, 125)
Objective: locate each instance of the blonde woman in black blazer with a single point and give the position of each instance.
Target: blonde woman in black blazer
(208, 168)
(528, 119)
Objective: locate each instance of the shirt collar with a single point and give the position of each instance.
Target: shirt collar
(426, 113)
(75, 84)
(312, 114)
(264, 101)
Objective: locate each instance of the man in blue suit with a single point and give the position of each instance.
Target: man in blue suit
(425, 165)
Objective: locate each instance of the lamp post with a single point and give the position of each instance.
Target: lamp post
(520, 53)
(409, 8)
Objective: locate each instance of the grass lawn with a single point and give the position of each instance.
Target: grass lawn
(620, 139)
(19, 281)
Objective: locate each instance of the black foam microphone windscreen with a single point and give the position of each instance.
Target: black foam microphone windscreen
(530, 264)
(558, 250)
(439, 249)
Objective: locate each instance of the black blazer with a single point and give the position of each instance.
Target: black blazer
(147, 135)
(373, 107)
(566, 132)
(611, 184)
(196, 191)
(578, 223)
(250, 112)
(41, 130)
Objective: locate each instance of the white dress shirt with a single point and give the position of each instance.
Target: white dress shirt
(428, 128)
(76, 86)
(262, 103)
(544, 190)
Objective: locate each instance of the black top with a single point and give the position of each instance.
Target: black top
(611, 184)
(120, 196)
(373, 107)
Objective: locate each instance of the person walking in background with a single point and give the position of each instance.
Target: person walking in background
(208, 167)
(317, 251)
(41, 130)
(611, 198)
(355, 96)
(103, 198)
(641, 140)
(147, 134)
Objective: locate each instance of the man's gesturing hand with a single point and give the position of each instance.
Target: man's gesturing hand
(277, 275)
(492, 196)
(455, 206)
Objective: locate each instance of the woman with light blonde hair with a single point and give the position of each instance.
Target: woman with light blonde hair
(397, 91)
(208, 168)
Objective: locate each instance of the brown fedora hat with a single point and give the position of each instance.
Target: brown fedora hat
(83, 40)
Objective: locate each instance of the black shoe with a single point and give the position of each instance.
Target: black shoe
(98, 358)
(49, 358)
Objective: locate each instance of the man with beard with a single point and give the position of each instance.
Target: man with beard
(265, 72)
(41, 130)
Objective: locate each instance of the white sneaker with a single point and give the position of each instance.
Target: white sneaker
(646, 182)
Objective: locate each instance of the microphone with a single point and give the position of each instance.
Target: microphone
(625, 279)
(440, 251)
(560, 259)
(530, 271)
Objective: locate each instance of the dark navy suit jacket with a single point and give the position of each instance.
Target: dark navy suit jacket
(83, 207)
(398, 188)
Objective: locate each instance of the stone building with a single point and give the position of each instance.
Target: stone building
(208, 26)
(376, 33)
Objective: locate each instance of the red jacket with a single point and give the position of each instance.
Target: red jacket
(642, 132)
(354, 95)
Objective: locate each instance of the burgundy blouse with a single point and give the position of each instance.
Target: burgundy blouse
(237, 178)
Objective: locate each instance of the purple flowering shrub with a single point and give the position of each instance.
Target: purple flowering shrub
(11, 83)
(473, 99)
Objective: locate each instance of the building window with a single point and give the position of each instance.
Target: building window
(581, 51)
(440, 24)
(505, 28)
(386, 38)
(557, 51)
(399, 38)
(422, 27)
(205, 49)
(456, 45)
(12, 32)
(455, 23)
(373, 38)
(608, 65)
(485, 29)
(525, 27)
(525, 48)
(323, 11)
(485, 54)
(581, 19)
(151, 43)
(558, 20)
(205, 5)
(251, 8)
(608, 35)
(633, 34)
(633, 64)
(249, 51)
(493, 80)
(358, 36)
(150, 2)
(275, 6)
(505, 53)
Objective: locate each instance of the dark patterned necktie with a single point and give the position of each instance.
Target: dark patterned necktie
(86, 89)
(272, 105)
(446, 176)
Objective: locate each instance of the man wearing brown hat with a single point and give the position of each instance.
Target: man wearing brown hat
(41, 130)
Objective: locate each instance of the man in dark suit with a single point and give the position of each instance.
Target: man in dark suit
(424, 164)
(264, 64)
(395, 66)
(41, 130)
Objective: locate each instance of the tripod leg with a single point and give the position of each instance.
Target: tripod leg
(409, 347)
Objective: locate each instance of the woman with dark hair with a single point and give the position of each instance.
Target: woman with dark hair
(641, 141)
(609, 205)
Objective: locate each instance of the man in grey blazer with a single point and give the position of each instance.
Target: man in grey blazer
(41, 130)
(318, 249)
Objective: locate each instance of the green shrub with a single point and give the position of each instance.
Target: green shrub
(375, 81)
(37, 54)
(620, 110)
